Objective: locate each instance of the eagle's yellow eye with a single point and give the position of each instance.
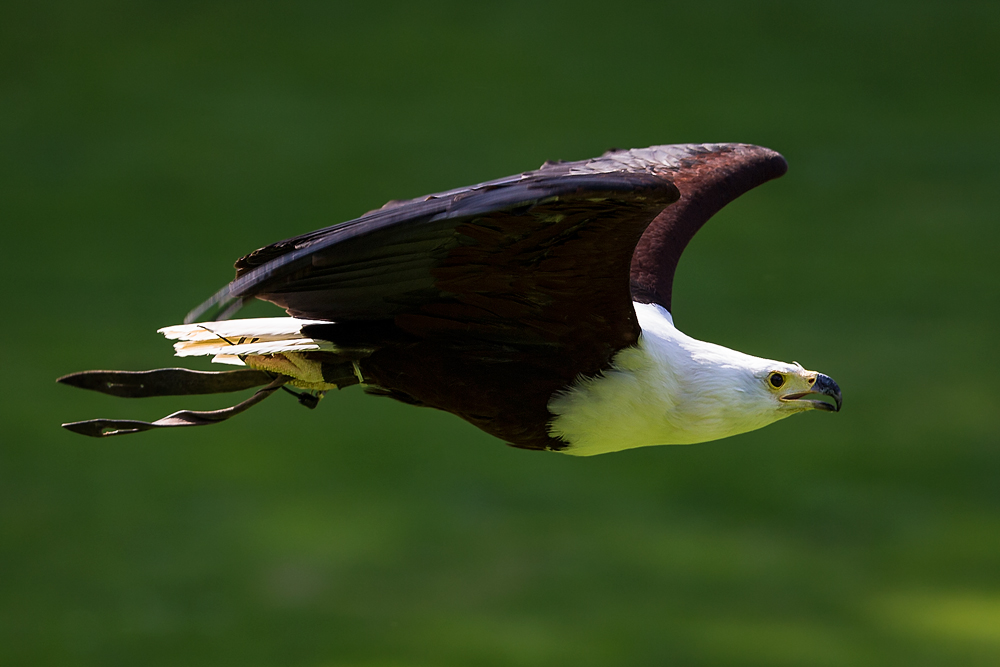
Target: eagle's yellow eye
(776, 380)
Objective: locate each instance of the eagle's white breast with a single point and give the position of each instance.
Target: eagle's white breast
(668, 389)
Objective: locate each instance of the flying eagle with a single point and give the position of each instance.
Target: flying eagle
(536, 307)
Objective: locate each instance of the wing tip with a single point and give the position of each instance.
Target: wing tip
(769, 160)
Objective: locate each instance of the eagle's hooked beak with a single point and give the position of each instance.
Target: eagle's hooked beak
(823, 385)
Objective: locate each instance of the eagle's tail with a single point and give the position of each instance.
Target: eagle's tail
(230, 341)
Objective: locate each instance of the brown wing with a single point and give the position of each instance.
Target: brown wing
(709, 176)
(525, 260)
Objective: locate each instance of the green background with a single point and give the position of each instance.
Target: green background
(145, 146)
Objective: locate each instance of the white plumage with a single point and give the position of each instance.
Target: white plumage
(231, 339)
(669, 389)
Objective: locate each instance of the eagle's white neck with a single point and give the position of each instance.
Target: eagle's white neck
(668, 389)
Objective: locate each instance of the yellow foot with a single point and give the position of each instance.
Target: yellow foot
(305, 373)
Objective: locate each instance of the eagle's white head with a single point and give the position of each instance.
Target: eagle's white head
(671, 389)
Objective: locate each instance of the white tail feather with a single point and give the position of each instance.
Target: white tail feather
(231, 338)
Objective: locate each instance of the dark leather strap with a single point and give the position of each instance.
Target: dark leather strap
(102, 428)
(165, 382)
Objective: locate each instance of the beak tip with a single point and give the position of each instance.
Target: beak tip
(828, 387)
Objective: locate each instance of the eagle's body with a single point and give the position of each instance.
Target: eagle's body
(535, 307)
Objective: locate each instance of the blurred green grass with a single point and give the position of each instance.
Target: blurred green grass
(144, 146)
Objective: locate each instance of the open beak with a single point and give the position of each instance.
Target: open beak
(824, 386)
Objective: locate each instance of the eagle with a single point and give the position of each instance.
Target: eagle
(536, 307)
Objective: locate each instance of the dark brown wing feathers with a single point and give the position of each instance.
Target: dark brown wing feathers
(707, 181)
